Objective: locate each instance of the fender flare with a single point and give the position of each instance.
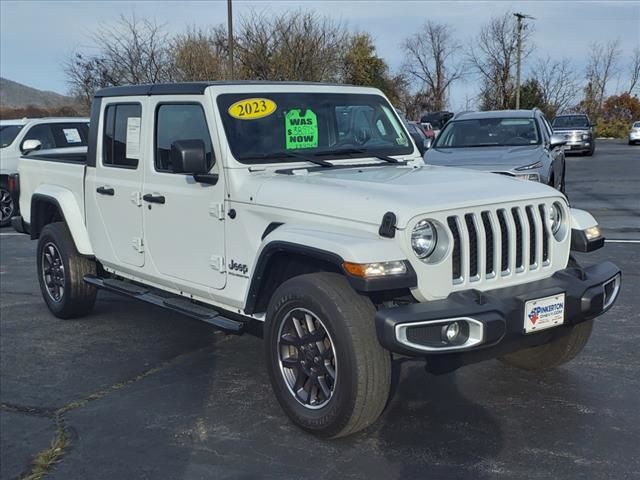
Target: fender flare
(332, 248)
(68, 207)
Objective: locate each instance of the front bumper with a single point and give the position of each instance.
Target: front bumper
(496, 317)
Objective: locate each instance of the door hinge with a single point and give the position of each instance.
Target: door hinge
(136, 198)
(138, 244)
(217, 210)
(217, 263)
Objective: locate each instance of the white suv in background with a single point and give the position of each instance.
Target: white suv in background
(19, 137)
(634, 133)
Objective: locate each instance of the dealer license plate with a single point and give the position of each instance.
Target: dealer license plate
(543, 313)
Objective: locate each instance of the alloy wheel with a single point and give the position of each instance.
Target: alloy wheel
(307, 358)
(6, 205)
(53, 271)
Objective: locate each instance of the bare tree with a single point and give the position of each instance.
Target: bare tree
(430, 58)
(557, 82)
(634, 71)
(493, 58)
(131, 51)
(292, 46)
(200, 55)
(602, 66)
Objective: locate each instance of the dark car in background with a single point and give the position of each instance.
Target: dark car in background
(577, 129)
(436, 120)
(518, 143)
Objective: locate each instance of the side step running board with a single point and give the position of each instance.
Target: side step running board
(175, 303)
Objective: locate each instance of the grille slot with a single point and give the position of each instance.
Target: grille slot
(456, 271)
(488, 237)
(516, 221)
(473, 245)
(498, 243)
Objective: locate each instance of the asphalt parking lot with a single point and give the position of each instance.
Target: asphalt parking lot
(135, 392)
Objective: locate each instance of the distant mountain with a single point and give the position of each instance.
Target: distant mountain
(17, 95)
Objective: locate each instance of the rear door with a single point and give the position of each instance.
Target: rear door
(113, 192)
(184, 219)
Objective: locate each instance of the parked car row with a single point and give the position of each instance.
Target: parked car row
(21, 137)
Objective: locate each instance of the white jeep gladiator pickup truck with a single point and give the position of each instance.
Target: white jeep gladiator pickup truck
(304, 213)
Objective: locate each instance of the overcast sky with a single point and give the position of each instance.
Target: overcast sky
(36, 37)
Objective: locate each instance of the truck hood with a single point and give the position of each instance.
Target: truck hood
(366, 194)
(483, 158)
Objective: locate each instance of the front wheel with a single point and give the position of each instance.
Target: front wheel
(7, 206)
(61, 270)
(327, 368)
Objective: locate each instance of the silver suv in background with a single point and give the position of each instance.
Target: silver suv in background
(577, 129)
(518, 143)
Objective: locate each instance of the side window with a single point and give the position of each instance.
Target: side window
(176, 122)
(121, 120)
(70, 134)
(547, 127)
(43, 134)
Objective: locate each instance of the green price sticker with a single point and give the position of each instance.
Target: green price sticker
(301, 129)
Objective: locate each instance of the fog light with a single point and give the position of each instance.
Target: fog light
(450, 332)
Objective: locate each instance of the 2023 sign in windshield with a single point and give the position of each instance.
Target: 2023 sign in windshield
(269, 127)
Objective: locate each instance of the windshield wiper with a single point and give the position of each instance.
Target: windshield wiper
(276, 155)
(349, 151)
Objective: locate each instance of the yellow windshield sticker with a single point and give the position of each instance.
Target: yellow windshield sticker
(301, 129)
(252, 108)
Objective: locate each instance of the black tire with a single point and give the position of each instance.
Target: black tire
(553, 354)
(7, 205)
(61, 281)
(362, 367)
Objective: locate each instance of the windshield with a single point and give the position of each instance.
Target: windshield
(571, 121)
(489, 132)
(8, 133)
(636, 125)
(272, 127)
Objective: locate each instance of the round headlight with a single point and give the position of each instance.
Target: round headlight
(555, 216)
(424, 238)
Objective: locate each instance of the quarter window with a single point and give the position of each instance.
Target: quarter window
(176, 122)
(121, 139)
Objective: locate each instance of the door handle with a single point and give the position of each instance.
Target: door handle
(105, 191)
(148, 197)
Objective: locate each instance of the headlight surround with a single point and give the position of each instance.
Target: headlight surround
(533, 177)
(424, 238)
(555, 217)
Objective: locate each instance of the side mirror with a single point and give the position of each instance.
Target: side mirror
(30, 145)
(188, 156)
(556, 141)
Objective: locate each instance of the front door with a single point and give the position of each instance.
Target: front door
(184, 219)
(114, 207)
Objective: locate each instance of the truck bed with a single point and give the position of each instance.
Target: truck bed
(56, 169)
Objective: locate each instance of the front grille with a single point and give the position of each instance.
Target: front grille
(498, 243)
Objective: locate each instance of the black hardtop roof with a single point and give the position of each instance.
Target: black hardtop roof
(191, 88)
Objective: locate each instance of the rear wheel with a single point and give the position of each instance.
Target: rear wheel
(7, 206)
(327, 369)
(61, 270)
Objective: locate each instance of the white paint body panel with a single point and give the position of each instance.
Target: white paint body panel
(337, 210)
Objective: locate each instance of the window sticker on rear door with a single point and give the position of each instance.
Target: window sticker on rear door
(72, 135)
(133, 138)
(301, 129)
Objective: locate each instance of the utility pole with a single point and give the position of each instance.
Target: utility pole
(519, 17)
(230, 40)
